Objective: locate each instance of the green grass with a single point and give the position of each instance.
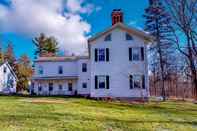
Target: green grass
(75, 114)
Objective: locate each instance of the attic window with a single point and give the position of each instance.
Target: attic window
(108, 38)
(128, 37)
(4, 69)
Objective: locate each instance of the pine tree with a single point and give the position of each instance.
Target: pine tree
(45, 46)
(157, 24)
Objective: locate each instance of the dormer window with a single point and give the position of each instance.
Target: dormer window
(128, 37)
(5, 70)
(108, 38)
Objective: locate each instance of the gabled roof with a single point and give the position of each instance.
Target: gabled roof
(11, 70)
(134, 31)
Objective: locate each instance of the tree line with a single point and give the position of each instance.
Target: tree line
(174, 52)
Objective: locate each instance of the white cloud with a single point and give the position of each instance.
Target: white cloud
(32, 17)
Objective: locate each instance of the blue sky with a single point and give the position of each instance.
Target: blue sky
(95, 15)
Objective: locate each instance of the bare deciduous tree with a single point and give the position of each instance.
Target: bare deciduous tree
(184, 16)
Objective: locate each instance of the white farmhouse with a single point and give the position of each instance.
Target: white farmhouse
(115, 67)
(8, 79)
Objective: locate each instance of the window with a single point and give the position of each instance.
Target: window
(50, 86)
(60, 87)
(10, 81)
(39, 88)
(84, 85)
(128, 37)
(60, 70)
(137, 81)
(108, 38)
(84, 67)
(40, 70)
(5, 69)
(70, 86)
(101, 54)
(101, 82)
(136, 54)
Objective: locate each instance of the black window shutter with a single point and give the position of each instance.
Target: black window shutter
(96, 82)
(142, 53)
(143, 81)
(107, 54)
(130, 54)
(131, 81)
(107, 82)
(96, 54)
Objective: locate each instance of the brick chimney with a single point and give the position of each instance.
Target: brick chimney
(117, 16)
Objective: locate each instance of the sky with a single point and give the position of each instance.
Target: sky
(71, 22)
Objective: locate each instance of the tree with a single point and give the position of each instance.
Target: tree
(1, 54)
(39, 43)
(184, 16)
(46, 46)
(157, 22)
(9, 56)
(24, 72)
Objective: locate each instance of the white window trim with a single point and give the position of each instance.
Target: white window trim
(137, 75)
(105, 82)
(139, 52)
(98, 54)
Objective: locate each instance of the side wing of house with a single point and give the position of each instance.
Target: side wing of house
(55, 77)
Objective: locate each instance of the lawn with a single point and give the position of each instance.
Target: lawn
(75, 114)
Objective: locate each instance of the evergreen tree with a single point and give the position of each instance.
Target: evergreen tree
(51, 46)
(46, 46)
(157, 24)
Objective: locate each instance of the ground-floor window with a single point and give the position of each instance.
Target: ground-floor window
(102, 82)
(84, 85)
(60, 87)
(70, 86)
(137, 81)
(39, 88)
(50, 86)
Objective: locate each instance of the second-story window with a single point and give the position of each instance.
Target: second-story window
(84, 67)
(136, 54)
(101, 54)
(40, 70)
(108, 38)
(60, 70)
